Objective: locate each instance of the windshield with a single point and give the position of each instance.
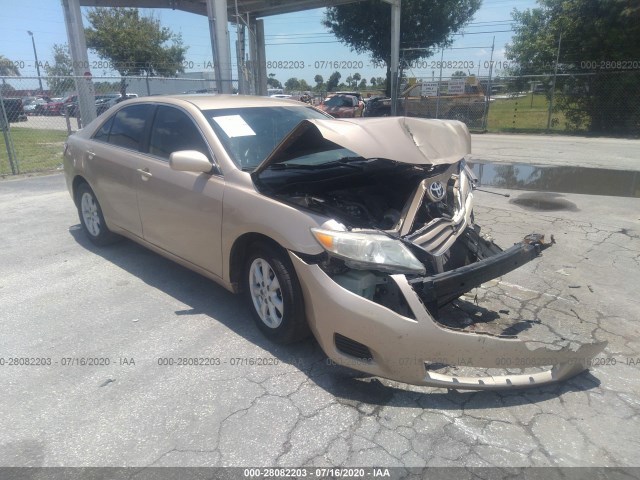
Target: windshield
(250, 134)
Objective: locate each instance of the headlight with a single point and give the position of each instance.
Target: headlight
(365, 251)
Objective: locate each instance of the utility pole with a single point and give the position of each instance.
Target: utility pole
(35, 54)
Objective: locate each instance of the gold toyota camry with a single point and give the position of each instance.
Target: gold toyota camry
(358, 231)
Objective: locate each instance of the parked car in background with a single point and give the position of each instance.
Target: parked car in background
(342, 106)
(58, 106)
(34, 106)
(355, 231)
(14, 110)
(378, 106)
(105, 101)
(55, 107)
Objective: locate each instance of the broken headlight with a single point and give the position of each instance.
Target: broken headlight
(369, 251)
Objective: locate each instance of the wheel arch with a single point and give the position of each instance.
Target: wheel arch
(77, 181)
(239, 251)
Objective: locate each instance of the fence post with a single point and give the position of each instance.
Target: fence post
(553, 85)
(4, 124)
(439, 85)
(487, 96)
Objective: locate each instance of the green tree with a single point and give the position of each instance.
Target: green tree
(363, 84)
(292, 84)
(603, 32)
(356, 77)
(303, 86)
(319, 82)
(333, 81)
(62, 67)
(373, 81)
(135, 45)
(424, 24)
(7, 69)
(273, 82)
(458, 73)
(7, 89)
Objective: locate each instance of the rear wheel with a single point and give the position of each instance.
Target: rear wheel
(91, 217)
(274, 295)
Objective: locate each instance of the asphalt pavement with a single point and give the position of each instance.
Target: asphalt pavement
(557, 150)
(110, 320)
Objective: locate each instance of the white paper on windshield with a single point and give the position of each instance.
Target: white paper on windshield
(234, 126)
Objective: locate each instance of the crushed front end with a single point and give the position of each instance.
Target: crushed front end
(400, 244)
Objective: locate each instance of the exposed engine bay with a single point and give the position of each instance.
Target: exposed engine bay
(411, 216)
(400, 232)
(428, 208)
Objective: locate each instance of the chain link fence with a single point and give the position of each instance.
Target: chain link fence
(601, 103)
(35, 123)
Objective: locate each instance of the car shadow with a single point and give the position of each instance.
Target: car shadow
(203, 296)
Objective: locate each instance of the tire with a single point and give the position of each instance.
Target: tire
(273, 295)
(91, 217)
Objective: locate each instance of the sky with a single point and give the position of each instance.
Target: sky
(294, 39)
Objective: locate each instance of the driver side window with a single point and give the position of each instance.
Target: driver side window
(172, 131)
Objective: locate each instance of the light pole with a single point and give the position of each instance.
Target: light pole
(36, 55)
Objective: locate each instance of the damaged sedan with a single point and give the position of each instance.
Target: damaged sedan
(357, 231)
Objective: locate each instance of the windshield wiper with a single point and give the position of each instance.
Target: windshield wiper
(342, 161)
(346, 161)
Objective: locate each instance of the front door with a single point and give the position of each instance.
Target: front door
(181, 212)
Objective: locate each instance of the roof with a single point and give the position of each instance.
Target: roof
(206, 101)
(257, 8)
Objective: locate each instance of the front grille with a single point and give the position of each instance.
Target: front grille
(439, 234)
(350, 347)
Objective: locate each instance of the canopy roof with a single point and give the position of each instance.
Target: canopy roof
(257, 8)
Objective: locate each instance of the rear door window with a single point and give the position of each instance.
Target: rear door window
(127, 129)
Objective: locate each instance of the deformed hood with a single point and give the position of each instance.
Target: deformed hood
(402, 139)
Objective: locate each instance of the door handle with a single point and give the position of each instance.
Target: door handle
(145, 173)
(90, 155)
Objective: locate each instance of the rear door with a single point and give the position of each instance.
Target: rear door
(181, 212)
(112, 160)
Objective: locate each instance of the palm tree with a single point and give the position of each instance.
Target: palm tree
(7, 69)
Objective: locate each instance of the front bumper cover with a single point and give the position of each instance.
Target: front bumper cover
(405, 349)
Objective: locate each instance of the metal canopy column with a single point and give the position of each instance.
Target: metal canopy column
(219, 32)
(258, 56)
(80, 60)
(262, 60)
(395, 52)
(240, 58)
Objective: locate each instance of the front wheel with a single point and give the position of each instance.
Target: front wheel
(274, 295)
(91, 217)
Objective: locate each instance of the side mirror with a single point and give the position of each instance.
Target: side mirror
(190, 161)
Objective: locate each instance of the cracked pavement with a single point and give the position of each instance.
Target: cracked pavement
(61, 297)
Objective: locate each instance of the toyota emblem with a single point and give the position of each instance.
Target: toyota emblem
(436, 191)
